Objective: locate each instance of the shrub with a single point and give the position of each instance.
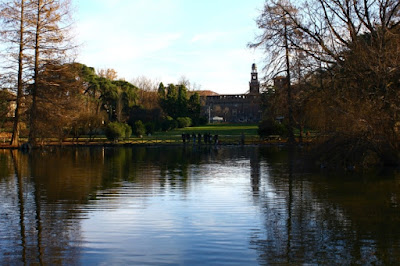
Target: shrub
(128, 131)
(169, 123)
(140, 129)
(184, 122)
(115, 131)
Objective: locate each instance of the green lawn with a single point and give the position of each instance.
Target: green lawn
(227, 133)
(220, 129)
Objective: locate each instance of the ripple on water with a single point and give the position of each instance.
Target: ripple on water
(232, 205)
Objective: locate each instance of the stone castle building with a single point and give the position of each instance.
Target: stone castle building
(239, 108)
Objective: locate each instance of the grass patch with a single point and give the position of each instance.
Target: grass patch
(227, 133)
(220, 129)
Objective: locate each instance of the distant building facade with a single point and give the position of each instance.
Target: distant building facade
(236, 108)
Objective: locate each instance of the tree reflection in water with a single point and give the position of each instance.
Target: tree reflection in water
(46, 224)
(329, 218)
(305, 217)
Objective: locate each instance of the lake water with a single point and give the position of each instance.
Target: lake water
(191, 206)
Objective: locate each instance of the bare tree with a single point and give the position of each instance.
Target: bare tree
(147, 93)
(360, 42)
(191, 86)
(277, 40)
(184, 81)
(51, 23)
(355, 48)
(108, 73)
(13, 33)
(61, 102)
(146, 84)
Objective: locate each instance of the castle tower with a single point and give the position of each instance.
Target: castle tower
(254, 83)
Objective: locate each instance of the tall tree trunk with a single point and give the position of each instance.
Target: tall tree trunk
(16, 128)
(33, 118)
(289, 87)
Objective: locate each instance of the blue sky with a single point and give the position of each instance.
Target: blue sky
(205, 41)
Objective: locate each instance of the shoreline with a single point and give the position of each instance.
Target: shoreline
(147, 144)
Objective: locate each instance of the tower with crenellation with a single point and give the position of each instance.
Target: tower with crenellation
(235, 108)
(254, 83)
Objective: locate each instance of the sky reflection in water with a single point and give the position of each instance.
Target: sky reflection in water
(190, 205)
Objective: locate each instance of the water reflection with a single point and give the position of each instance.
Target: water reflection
(330, 218)
(190, 205)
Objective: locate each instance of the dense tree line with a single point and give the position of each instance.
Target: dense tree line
(140, 106)
(182, 108)
(341, 71)
(76, 100)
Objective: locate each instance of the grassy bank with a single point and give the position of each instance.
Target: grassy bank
(227, 134)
